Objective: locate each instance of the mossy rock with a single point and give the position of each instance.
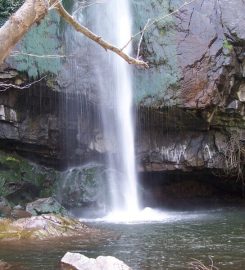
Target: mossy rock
(82, 186)
(45, 206)
(22, 181)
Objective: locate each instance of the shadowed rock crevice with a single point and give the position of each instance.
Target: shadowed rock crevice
(189, 190)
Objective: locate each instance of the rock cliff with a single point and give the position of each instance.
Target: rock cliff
(189, 103)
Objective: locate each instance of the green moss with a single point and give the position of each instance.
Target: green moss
(15, 170)
(227, 46)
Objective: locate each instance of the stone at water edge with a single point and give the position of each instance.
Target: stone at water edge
(44, 227)
(81, 262)
(45, 206)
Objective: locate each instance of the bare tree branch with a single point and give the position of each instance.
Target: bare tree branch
(33, 11)
(104, 44)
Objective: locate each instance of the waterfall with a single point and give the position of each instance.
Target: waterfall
(104, 80)
(122, 176)
(111, 77)
(123, 111)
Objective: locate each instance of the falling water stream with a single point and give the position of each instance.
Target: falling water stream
(115, 91)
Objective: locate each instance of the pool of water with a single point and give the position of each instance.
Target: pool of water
(167, 244)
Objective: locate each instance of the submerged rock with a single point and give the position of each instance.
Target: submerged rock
(45, 206)
(42, 227)
(81, 262)
(4, 265)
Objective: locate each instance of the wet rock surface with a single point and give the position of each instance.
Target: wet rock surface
(82, 187)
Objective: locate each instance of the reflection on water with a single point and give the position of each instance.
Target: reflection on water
(149, 246)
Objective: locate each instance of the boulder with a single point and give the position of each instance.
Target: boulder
(20, 213)
(5, 208)
(43, 227)
(82, 186)
(3, 202)
(81, 262)
(45, 206)
(21, 191)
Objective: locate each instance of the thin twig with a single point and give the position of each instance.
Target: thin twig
(54, 4)
(6, 86)
(83, 5)
(198, 265)
(154, 21)
(16, 53)
(141, 38)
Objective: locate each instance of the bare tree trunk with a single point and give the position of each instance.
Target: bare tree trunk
(19, 23)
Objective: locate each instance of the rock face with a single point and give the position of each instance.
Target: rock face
(191, 107)
(48, 126)
(194, 54)
(190, 102)
(81, 262)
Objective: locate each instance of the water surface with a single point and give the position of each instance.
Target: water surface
(169, 244)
